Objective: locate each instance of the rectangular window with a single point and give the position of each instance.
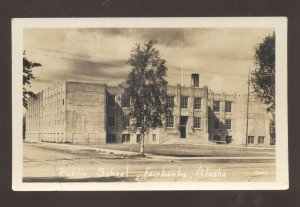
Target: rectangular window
(125, 138)
(111, 120)
(138, 138)
(197, 103)
(170, 101)
(216, 105)
(125, 121)
(125, 101)
(250, 140)
(216, 124)
(110, 100)
(261, 140)
(170, 121)
(138, 121)
(228, 123)
(228, 106)
(197, 122)
(154, 137)
(184, 102)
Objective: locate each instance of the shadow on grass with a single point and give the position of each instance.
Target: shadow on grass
(66, 180)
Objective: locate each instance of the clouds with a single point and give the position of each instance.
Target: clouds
(100, 55)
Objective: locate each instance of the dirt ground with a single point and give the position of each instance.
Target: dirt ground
(46, 164)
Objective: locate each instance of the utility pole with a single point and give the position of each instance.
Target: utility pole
(247, 108)
(182, 58)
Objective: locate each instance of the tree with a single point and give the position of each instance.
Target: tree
(263, 77)
(147, 88)
(27, 76)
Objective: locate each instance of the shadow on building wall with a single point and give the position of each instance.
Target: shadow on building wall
(217, 135)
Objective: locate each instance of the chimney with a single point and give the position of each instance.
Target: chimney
(195, 80)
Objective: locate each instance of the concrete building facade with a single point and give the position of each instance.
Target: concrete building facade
(92, 113)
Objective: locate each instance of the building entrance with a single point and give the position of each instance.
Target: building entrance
(183, 122)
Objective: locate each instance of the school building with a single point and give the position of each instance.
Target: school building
(94, 113)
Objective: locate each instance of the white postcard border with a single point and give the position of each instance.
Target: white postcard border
(280, 25)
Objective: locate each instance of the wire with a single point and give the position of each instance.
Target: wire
(110, 65)
(70, 53)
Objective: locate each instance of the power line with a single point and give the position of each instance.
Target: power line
(110, 65)
(71, 53)
(85, 61)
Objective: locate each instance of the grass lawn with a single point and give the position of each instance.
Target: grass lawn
(193, 150)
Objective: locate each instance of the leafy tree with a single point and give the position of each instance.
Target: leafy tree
(147, 88)
(263, 77)
(27, 76)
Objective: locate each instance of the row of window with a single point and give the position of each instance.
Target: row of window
(170, 122)
(111, 138)
(261, 140)
(216, 106)
(169, 102)
(217, 124)
(111, 122)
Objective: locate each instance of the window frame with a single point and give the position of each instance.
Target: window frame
(214, 106)
(259, 140)
(184, 103)
(125, 138)
(230, 106)
(226, 124)
(167, 122)
(198, 104)
(125, 119)
(138, 138)
(172, 104)
(194, 123)
(252, 138)
(154, 138)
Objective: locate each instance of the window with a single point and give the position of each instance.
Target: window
(170, 101)
(197, 103)
(197, 122)
(170, 121)
(138, 121)
(250, 140)
(228, 123)
(125, 138)
(125, 101)
(216, 124)
(111, 120)
(110, 138)
(228, 106)
(63, 102)
(261, 140)
(184, 102)
(154, 137)
(216, 105)
(125, 121)
(110, 100)
(138, 138)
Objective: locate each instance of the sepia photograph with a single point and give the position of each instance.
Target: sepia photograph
(150, 104)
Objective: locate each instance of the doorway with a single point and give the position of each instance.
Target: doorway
(183, 122)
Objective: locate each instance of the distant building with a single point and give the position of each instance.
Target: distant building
(74, 112)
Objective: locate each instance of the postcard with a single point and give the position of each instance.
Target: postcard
(123, 104)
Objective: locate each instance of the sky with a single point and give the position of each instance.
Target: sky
(222, 56)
